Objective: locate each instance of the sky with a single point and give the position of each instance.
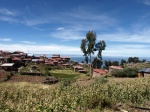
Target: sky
(58, 26)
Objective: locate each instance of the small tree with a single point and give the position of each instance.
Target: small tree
(122, 62)
(107, 64)
(89, 45)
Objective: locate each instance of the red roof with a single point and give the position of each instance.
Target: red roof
(99, 71)
(55, 61)
(16, 59)
(27, 59)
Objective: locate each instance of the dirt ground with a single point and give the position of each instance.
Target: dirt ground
(26, 78)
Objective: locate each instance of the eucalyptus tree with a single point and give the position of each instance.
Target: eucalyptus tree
(89, 46)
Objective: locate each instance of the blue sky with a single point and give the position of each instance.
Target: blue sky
(57, 26)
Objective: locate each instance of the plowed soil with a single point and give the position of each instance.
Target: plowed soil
(2, 74)
(26, 78)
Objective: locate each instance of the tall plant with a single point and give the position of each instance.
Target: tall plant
(89, 46)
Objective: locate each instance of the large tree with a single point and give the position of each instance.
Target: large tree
(89, 45)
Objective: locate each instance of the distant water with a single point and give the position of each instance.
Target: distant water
(80, 58)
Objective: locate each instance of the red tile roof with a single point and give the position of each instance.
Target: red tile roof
(16, 59)
(26, 59)
(99, 71)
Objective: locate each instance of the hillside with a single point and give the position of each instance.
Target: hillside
(102, 94)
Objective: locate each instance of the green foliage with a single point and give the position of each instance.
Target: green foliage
(87, 45)
(126, 72)
(110, 63)
(41, 69)
(102, 80)
(97, 63)
(123, 62)
(73, 98)
(47, 73)
(107, 64)
(66, 82)
(133, 60)
(115, 63)
(66, 74)
(99, 47)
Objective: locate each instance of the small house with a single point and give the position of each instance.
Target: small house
(144, 72)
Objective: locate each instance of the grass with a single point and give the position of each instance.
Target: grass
(66, 73)
(40, 68)
(138, 65)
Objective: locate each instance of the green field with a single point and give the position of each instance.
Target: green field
(66, 73)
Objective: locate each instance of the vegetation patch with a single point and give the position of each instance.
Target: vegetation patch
(101, 95)
(126, 72)
(32, 69)
(66, 73)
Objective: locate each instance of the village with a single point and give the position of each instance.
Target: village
(32, 67)
(29, 65)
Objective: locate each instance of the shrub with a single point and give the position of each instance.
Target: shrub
(126, 72)
(102, 80)
(47, 71)
(7, 77)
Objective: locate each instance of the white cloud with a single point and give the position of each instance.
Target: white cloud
(7, 12)
(138, 35)
(67, 35)
(8, 15)
(111, 50)
(32, 22)
(8, 19)
(28, 42)
(60, 28)
(146, 2)
(5, 39)
(127, 50)
(41, 49)
(87, 16)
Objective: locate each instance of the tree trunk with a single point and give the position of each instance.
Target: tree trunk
(91, 71)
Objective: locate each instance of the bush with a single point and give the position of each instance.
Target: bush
(102, 80)
(126, 72)
(7, 77)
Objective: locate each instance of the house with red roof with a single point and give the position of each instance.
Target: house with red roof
(98, 72)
